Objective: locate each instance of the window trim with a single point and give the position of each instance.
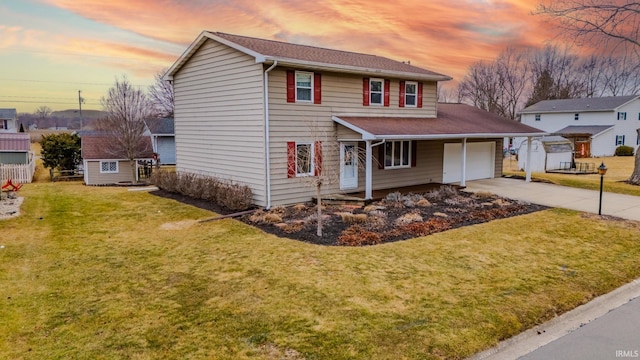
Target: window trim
(415, 94)
(393, 145)
(310, 88)
(311, 158)
(622, 115)
(576, 116)
(620, 137)
(537, 117)
(371, 92)
(117, 170)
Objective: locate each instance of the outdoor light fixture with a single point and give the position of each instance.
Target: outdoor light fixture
(601, 170)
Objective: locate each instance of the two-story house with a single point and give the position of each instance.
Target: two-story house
(595, 126)
(275, 115)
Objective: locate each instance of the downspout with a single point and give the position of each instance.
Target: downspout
(267, 160)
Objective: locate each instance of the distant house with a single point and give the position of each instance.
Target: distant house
(163, 139)
(8, 120)
(103, 166)
(275, 116)
(547, 153)
(595, 126)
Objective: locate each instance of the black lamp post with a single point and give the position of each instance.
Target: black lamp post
(601, 170)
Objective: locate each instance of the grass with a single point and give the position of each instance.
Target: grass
(104, 273)
(619, 170)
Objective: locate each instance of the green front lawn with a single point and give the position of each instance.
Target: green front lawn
(104, 273)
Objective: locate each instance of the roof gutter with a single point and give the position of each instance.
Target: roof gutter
(456, 136)
(267, 144)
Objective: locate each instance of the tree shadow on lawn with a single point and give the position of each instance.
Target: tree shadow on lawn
(394, 218)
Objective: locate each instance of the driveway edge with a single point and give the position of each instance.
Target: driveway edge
(559, 326)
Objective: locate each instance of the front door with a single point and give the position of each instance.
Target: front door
(348, 166)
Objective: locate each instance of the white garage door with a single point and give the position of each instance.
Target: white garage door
(480, 161)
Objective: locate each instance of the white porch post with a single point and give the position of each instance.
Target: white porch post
(528, 164)
(463, 173)
(368, 171)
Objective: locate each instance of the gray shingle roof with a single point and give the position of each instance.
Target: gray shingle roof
(162, 126)
(287, 54)
(579, 105)
(8, 114)
(583, 129)
(103, 147)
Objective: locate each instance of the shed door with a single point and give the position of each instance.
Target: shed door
(480, 161)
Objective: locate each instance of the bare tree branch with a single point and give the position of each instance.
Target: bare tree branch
(162, 97)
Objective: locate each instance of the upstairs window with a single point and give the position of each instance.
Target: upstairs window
(622, 116)
(538, 117)
(375, 91)
(304, 87)
(576, 117)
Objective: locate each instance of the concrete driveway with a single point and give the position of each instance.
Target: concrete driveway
(623, 206)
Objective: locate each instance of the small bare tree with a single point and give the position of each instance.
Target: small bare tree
(162, 96)
(126, 109)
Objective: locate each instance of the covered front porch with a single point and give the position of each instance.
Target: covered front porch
(359, 197)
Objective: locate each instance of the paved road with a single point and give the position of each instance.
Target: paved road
(615, 335)
(623, 206)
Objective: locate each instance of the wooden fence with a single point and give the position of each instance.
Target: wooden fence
(18, 173)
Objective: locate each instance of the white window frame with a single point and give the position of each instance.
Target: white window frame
(619, 140)
(311, 159)
(109, 171)
(381, 92)
(310, 88)
(4, 125)
(622, 115)
(538, 117)
(415, 94)
(576, 116)
(403, 162)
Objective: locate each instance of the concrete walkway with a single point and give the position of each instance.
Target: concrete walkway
(622, 206)
(551, 340)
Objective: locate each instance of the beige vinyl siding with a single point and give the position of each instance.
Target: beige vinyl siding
(96, 178)
(341, 95)
(219, 117)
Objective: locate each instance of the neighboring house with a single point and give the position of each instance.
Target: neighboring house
(8, 120)
(275, 115)
(547, 153)
(595, 126)
(103, 166)
(163, 139)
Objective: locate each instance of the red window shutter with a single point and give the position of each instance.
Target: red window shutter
(317, 155)
(419, 94)
(291, 159)
(291, 86)
(317, 88)
(381, 156)
(402, 89)
(387, 92)
(365, 91)
(414, 152)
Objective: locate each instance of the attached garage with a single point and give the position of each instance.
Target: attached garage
(480, 161)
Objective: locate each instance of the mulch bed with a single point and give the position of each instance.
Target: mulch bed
(397, 217)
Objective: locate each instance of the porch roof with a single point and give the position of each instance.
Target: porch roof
(583, 130)
(454, 121)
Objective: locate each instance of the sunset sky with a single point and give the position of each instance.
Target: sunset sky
(50, 49)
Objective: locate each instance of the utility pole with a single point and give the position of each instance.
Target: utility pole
(80, 101)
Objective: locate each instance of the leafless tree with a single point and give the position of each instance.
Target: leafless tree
(595, 22)
(126, 109)
(555, 74)
(162, 96)
(43, 112)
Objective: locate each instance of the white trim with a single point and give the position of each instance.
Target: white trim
(393, 145)
(415, 104)
(353, 182)
(365, 135)
(311, 158)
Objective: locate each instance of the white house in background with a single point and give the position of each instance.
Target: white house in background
(8, 120)
(163, 139)
(595, 126)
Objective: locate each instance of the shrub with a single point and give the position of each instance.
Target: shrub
(408, 219)
(231, 195)
(349, 218)
(442, 193)
(428, 227)
(357, 236)
(624, 150)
